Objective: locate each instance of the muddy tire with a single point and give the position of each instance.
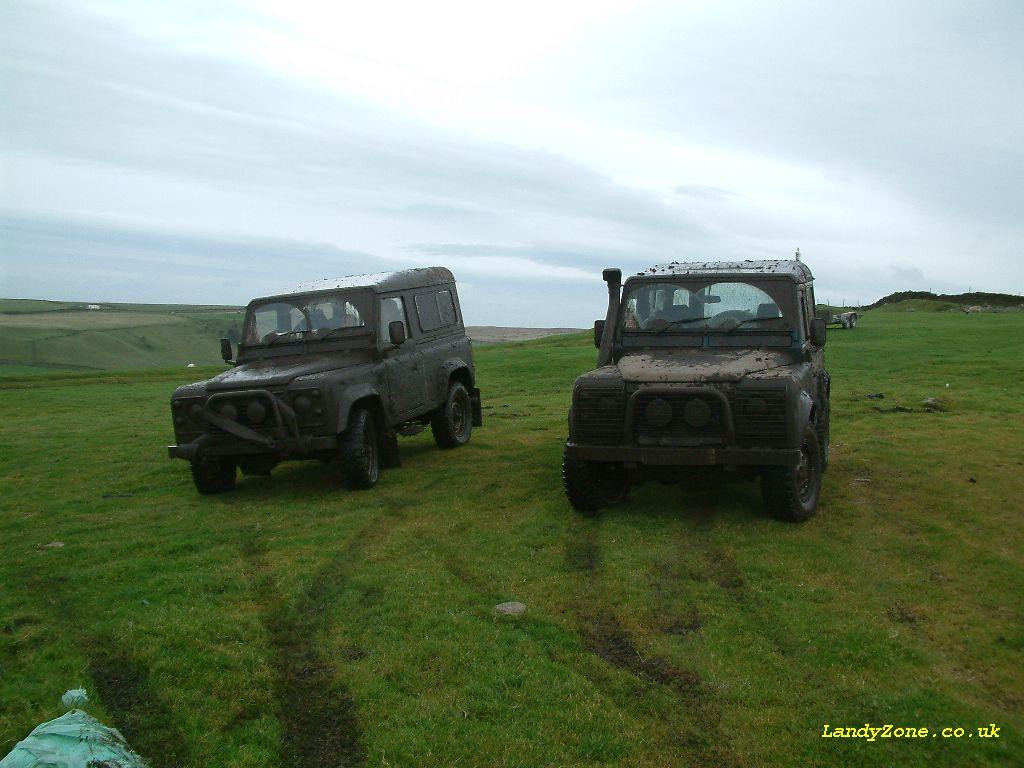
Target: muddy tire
(213, 474)
(589, 485)
(359, 453)
(452, 423)
(791, 493)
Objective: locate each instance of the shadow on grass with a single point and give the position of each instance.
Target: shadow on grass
(309, 478)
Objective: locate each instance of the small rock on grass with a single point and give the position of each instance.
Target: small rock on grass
(934, 404)
(510, 609)
(52, 545)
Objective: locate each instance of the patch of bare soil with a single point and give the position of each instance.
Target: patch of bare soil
(605, 637)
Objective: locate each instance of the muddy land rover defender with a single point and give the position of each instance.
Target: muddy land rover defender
(704, 365)
(333, 371)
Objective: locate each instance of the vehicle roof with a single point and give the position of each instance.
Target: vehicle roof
(791, 268)
(380, 282)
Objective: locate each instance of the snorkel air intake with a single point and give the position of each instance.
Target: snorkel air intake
(612, 276)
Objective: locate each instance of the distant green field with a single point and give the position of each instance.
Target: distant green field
(920, 305)
(291, 623)
(66, 336)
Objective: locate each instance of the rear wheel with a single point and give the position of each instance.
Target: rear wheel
(590, 485)
(359, 452)
(452, 423)
(213, 474)
(791, 493)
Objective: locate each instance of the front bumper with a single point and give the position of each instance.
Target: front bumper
(684, 457)
(228, 446)
(281, 437)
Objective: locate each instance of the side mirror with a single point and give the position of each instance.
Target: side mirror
(225, 350)
(396, 332)
(818, 332)
(598, 332)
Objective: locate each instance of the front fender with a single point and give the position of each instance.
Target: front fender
(804, 406)
(348, 397)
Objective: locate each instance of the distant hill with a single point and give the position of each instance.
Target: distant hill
(977, 298)
(61, 336)
(39, 336)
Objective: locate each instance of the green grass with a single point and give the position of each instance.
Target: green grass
(292, 623)
(62, 336)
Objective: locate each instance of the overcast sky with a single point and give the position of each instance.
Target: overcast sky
(210, 152)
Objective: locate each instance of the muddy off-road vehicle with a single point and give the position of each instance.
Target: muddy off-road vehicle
(333, 371)
(704, 365)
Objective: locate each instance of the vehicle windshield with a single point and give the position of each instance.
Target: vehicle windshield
(701, 306)
(305, 318)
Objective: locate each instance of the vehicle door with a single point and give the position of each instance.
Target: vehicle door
(403, 364)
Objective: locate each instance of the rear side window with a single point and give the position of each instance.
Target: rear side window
(446, 304)
(426, 311)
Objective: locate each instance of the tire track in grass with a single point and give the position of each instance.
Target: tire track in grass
(317, 711)
(120, 680)
(725, 572)
(604, 636)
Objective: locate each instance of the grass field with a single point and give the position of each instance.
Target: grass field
(291, 623)
(48, 336)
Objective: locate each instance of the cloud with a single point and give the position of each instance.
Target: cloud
(150, 153)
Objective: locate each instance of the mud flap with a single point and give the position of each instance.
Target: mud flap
(389, 455)
(474, 401)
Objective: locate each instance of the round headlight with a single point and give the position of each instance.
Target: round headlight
(302, 404)
(697, 412)
(255, 412)
(658, 412)
(195, 412)
(228, 411)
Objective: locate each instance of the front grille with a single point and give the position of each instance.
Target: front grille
(241, 402)
(760, 417)
(598, 415)
(679, 418)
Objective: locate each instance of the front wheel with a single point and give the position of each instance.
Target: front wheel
(791, 493)
(213, 474)
(590, 485)
(452, 423)
(359, 451)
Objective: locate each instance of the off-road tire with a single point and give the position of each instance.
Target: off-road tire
(791, 493)
(452, 423)
(213, 474)
(359, 452)
(590, 485)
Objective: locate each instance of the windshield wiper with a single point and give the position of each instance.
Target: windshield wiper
(280, 336)
(680, 321)
(751, 320)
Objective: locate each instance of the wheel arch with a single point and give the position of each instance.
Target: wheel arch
(364, 396)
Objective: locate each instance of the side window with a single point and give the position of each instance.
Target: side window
(392, 309)
(446, 305)
(807, 308)
(426, 311)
